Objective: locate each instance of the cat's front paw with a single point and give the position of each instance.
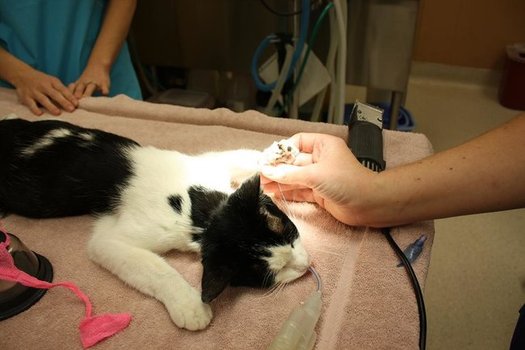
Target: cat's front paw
(189, 312)
(283, 151)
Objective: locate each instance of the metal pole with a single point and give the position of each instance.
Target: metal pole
(294, 108)
(395, 107)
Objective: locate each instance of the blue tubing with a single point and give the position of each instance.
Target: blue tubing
(303, 32)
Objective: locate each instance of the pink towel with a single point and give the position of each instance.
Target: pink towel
(367, 302)
(93, 329)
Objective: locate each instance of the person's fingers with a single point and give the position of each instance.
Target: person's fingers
(264, 179)
(61, 100)
(80, 87)
(275, 187)
(32, 105)
(104, 89)
(288, 174)
(66, 92)
(90, 88)
(303, 159)
(318, 145)
(297, 195)
(47, 104)
(307, 141)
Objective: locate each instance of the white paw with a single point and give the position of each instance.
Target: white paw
(282, 151)
(188, 311)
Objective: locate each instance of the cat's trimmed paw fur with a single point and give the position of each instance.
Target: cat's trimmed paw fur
(283, 151)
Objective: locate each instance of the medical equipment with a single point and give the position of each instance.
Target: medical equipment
(415, 285)
(298, 331)
(305, 17)
(298, 56)
(414, 249)
(365, 137)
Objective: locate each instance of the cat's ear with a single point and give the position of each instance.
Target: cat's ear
(250, 188)
(255, 182)
(215, 278)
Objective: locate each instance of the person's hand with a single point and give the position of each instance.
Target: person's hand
(325, 172)
(94, 78)
(36, 89)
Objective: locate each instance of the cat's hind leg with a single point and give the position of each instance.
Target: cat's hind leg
(152, 275)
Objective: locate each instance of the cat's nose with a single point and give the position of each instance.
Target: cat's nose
(305, 259)
(302, 265)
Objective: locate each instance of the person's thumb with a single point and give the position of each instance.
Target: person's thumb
(286, 174)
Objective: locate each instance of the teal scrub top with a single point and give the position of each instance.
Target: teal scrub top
(57, 36)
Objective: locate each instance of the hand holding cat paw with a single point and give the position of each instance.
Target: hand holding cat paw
(283, 151)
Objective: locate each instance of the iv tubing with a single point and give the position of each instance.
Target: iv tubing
(279, 83)
(311, 41)
(330, 65)
(340, 11)
(305, 16)
(294, 90)
(317, 278)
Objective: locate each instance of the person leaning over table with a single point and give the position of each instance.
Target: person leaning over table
(56, 52)
(482, 175)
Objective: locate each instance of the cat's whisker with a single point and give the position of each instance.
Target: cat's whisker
(271, 291)
(325, 251)
(281, 287)
(289, 213)
(284, 199)
(275, 289)
(286, 205)
(267, 277)
(268, 293)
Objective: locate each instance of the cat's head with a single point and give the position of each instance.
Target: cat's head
(250, 242)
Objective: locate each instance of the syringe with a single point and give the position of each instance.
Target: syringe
(297, 332)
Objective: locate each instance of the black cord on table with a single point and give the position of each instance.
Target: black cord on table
(415, 285)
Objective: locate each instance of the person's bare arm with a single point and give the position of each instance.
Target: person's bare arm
(482, 175)
(115, 27)
(35, 89)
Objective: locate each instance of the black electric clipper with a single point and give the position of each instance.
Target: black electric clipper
(365, 135)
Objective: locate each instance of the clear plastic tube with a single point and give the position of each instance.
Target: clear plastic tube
(298, 331)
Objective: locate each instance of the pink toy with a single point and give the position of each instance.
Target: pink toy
(93, 329)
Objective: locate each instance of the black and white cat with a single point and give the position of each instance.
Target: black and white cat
(148, 201)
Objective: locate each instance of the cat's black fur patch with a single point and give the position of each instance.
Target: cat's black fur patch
(237, 240)
(204, 203)
(62, 179)
(175, 201)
